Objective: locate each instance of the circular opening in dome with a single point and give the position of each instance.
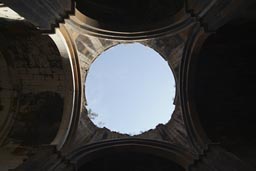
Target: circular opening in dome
(130, 89)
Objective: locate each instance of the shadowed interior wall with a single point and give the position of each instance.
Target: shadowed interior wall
(224, 93)
(129, 11)
(131, 16)
(31, 90)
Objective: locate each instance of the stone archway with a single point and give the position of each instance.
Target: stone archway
(37, 93)
(219, 92)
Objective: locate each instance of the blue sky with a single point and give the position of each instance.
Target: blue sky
(131, 88)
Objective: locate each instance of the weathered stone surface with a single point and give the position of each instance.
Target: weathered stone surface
(33, 91)
(170, 47)
(34, 79)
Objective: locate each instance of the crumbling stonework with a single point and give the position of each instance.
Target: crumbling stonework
(42, 85)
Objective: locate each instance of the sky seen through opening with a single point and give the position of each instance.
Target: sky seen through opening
(131, 89)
